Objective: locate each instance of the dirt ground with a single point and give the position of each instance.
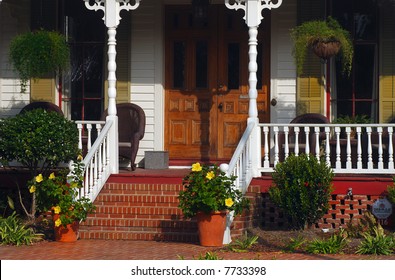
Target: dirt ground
(279, 240)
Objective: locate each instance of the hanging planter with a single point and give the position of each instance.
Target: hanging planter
(326, 50)
(326, 38)
(37, 54)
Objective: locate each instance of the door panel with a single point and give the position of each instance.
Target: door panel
(207, 83)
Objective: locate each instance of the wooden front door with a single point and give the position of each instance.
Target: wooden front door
(206, 107)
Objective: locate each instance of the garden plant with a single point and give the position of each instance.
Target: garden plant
(38, 141)
(302, 189)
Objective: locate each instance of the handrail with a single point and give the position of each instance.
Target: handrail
(96, 164)
(241, 163)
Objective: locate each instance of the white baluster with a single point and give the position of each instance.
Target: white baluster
(327, 146)
(266, 163)
(276, 145)
(89, 128)
(338, 150)
(317, 142)
(79, 127)
(286, 144)
(348, 149)
(359, 148)
(370, 160)
(380, 151)
(296, 130)
(390, 149)
(307, 133)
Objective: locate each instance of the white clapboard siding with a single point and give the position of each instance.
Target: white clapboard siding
(11, 100)
(147, 72)
(283, 71)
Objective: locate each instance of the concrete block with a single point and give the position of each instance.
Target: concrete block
(156, 160)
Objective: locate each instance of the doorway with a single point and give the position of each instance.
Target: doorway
(206, 87)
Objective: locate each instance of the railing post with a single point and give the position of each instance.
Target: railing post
(111, 10)
(253, 17)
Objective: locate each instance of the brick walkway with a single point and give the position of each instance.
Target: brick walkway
(148, 250)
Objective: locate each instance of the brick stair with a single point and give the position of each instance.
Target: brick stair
(139, 211)
(133, 208)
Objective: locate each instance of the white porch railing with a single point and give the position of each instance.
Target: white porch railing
(241, 162)
(370, 151)
(97, 159)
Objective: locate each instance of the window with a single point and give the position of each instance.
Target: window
(358, 93)
(83, 84)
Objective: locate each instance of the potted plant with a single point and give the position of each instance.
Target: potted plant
(208, 195)
(346, 119)
(326, 38)
(39, 53)
(59, 194)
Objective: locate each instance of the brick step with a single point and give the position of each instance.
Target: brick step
(143, 211)
(147, 222)
(139, 235)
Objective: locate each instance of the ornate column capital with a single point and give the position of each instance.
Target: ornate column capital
(253, 9)
(111, 9)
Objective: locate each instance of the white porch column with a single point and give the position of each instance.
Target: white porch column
(111, 18)
(253, 17)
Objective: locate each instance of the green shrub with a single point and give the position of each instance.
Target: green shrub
(38, 140)
(332, 245)
(13, 232)
(377, 244)
(302, 188)
(391, 192)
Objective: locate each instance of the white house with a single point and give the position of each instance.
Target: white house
(189, 70)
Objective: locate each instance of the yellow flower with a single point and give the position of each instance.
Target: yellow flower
(52, 176)
(196, 167)
(56, 209)
(32, 189)
(80, 158)
(58, 222)
(229, 202)
(210, 175)
(39, 178)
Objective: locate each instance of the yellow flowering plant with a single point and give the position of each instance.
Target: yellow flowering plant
(59, 193)
(208, 189)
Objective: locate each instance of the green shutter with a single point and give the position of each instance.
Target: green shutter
(387, 62)
(310, 90)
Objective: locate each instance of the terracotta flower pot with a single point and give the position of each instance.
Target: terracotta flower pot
(68, 233)
(211, 228)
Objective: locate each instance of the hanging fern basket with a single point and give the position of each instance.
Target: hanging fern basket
(37, 54)
(326, 50)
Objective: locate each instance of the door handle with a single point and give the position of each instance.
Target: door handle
(220, 106)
